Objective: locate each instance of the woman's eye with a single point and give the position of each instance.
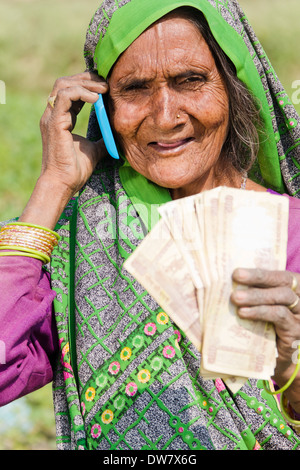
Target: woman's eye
(136, 86)
(194, 79)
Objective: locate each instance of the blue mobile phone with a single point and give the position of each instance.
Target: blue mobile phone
(105, 128)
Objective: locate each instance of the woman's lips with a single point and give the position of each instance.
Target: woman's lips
(169, 146)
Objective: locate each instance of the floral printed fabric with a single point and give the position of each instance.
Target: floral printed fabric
(134, 382)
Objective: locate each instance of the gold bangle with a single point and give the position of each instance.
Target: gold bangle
(285, 413)
(290, 381)
(27, 238)
(21, 253)
(7, 231)
(44, 257)
(29, 242)
(24, 226)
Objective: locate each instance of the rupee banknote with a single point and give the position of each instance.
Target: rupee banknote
(186, 263)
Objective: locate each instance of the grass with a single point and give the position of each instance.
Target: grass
(41, 40)
(276, 24)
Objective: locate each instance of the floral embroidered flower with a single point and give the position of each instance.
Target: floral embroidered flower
(150, 329)
(257, 446)
(125, 354)
(90, 394)
(131, 389)
(169, 352)
(138, 341)
(101, 380)
(178, 334)
(162, 318)
(219, 385)
(156, 363)
(114, 367)
(67, 375)
(96, 431)
(119, 403)
(144, 376)
(65, 349)
(107, 416)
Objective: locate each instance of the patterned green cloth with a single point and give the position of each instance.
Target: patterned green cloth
(127, 377)
(132, 378)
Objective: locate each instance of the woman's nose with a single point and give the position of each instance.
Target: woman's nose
(166, 108)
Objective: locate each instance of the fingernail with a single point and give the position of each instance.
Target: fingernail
(241, 274)
(239, 295)
(244, 312)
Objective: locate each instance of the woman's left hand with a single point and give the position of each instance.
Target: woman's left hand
(272, 296)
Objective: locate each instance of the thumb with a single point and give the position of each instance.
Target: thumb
(101, 151)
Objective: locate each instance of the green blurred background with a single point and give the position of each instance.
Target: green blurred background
(41, 40)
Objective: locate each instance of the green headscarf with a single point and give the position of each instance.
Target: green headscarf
(116, 25)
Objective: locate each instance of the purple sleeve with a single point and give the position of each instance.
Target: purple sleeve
(293, 252)
(28, 338)
(293, 249)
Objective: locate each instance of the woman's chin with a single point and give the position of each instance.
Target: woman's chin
(173, 173)
(170, 181)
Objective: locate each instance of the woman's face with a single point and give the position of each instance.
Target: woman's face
(169, 106)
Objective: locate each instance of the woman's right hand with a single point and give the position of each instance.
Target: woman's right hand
(69, 158)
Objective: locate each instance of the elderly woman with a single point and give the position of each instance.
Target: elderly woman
(194, 103)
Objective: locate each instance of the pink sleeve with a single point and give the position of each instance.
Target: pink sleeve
(293, 248)
(28, 338)
(293, 252)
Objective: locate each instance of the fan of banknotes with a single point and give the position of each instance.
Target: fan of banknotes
(186, 264)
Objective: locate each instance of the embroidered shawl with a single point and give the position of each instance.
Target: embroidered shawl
(127, 377)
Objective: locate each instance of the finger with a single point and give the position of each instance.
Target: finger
(262, 296)
(279, 315)
(265, 278)
(295, 306)
(66, 104)
(88, 80)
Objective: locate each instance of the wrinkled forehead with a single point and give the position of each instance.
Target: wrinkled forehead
(173, 48)
(116, 25)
